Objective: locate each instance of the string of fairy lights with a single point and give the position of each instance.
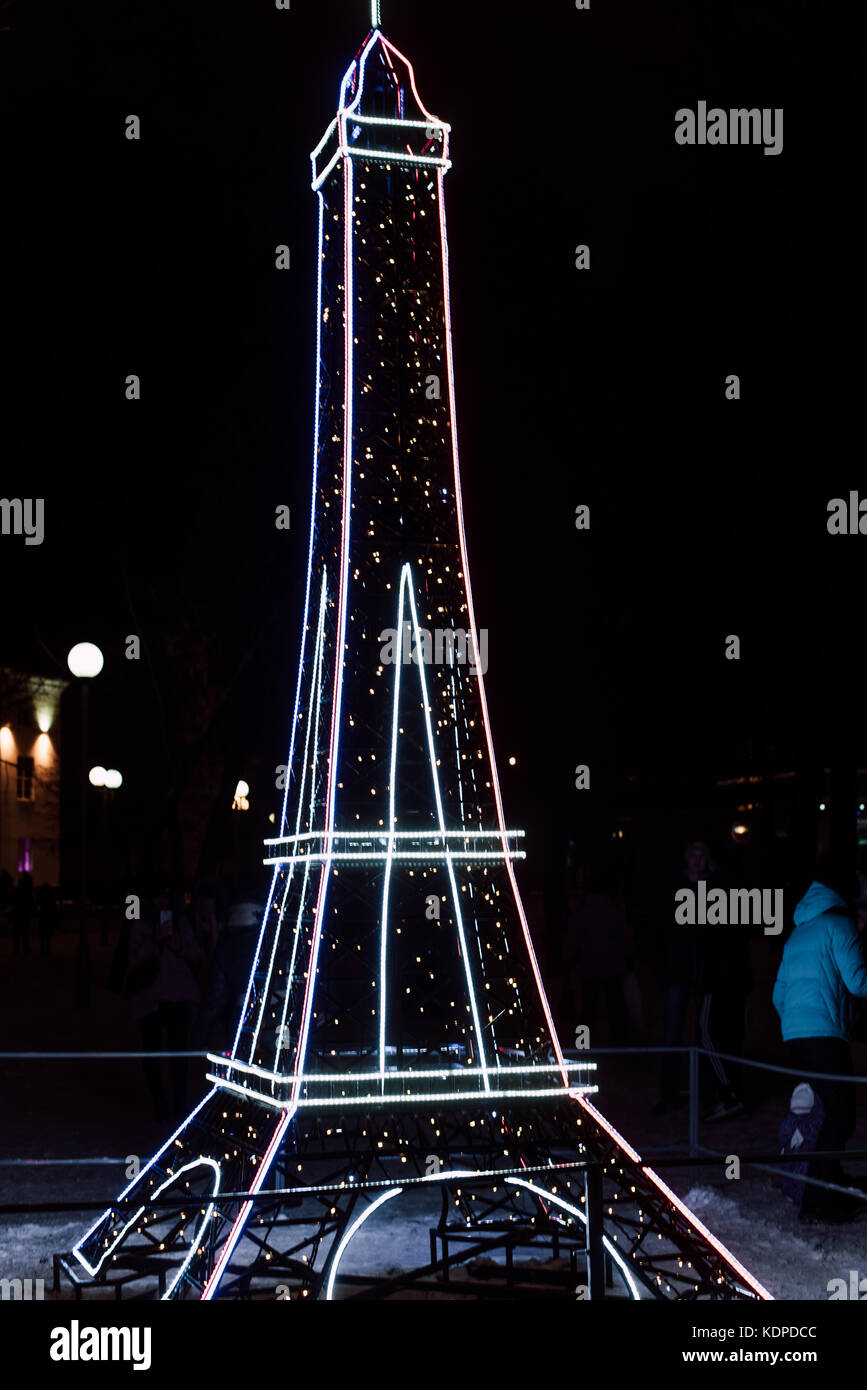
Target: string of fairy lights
(381, 271)
(628, 1230)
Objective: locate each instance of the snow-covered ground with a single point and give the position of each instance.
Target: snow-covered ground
(751, 1218)
(762, 1229)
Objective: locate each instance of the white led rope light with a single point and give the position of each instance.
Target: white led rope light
(312, 721)
(347, 1237)
(403, 1098)
(576, 1211)
(532, 1069)
(93, 1270)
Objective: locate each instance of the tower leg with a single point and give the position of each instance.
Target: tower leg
(243, 1196)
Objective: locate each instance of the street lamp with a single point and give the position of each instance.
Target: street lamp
(84, 661)
(107, 780)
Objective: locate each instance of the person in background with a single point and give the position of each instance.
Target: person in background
(823, 964)
(711, 965)
(600, 951)
(7, 891)
(857, 1016)
(46, 901)
(676, 967)
(208, 914)
(230, 973)
(861, 899)
(723, 982)
(162, 989)
(23, 906)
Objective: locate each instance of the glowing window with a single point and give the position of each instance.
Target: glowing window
(25, 779)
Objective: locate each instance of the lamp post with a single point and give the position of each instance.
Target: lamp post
(107, 780)
(85, 662)
(240, 802)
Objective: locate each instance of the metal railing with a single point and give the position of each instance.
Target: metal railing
(698, 1154)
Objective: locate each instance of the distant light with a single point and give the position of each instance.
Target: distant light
(821, 805)
(85, 660)
(512, 762)
(272, 818)
(240, 800)
(43, 751)
(97, 776)
(861, 806)
(44, 718)
(740, 831)
(113, 779)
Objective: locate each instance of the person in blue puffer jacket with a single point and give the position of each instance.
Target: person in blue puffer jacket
(823, 966)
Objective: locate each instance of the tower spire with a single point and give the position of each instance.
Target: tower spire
(375, 19)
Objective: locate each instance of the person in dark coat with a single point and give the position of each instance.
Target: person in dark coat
(230, 973)
(162, 990)
(709, 965)
(822, 969)
(723, 981)
(600, 950)
(46, 902)
(7, 890)
(21, 913)
(676, 969)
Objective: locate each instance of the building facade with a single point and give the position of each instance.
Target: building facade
(30, 775)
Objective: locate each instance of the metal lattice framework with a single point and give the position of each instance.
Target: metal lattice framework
(395, 1036)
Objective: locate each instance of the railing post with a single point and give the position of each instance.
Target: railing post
(693, 1102)
(593, 1236)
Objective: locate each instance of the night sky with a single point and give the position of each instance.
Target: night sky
(604, 387)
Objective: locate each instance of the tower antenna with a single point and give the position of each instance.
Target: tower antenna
(375, 19)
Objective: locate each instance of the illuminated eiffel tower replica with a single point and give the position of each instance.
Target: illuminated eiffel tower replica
(395, 1033)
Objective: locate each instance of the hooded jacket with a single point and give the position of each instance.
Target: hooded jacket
(822, 964)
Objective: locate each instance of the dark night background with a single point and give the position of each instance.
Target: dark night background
(603, 387)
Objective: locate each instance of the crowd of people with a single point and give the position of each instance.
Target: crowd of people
(704, 973)
(21, 903)
(183, 965)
